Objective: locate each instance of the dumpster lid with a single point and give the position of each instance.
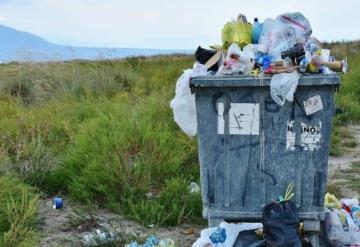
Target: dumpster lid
(256, 81)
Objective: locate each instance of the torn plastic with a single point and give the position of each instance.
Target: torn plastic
(283, 87)
(223, 236)
(237, 61)
(183, 104)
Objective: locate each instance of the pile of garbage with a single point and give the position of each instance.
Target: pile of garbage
(282, 48)
(342, 222)
(281, 227)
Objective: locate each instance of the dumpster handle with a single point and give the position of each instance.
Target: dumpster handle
(215, 99)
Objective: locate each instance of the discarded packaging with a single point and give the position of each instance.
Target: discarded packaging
(57, 203)
(98, 238)
(153, 241)
(223, 236)
(194, 187)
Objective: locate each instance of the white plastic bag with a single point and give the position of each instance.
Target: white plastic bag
(283, 87)
(298, 23)
(183, 104)
(276, 37)
(232, 231)
(237, 61)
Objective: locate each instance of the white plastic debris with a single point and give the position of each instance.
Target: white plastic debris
(237, 61)
(231, 232)
(183, 104)
(283, 87)
(99, 237)
(194, 187)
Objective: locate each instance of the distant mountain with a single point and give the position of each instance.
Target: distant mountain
(23, 46)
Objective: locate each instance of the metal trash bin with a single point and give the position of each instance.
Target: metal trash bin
(250, 148)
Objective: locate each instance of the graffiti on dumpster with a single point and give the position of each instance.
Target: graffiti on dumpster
(243, 119)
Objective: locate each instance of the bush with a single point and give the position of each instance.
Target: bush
(18, 213)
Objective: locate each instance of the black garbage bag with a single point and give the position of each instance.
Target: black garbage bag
(281, 224)
(203, 55)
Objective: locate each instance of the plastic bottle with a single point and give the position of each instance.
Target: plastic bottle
(303, 65)
(256, 31)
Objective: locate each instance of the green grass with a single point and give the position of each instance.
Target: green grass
(103, 133)
(18, 213)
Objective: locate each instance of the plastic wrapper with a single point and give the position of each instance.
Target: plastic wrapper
(236, 32)
(183, 104)
(283, 87)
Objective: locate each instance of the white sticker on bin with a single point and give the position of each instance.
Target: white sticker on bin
(313, 104)
(310, 136)
(243, 119)
(290, 136)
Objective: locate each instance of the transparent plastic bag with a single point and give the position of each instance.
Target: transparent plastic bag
(276, 37)
(298, 23)
(283, 87)
(183, 104)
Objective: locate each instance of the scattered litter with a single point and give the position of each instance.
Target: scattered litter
(57, 203)
(153, 241)
(189, 231)
(194, 187)
(223, 236)
(98, 238)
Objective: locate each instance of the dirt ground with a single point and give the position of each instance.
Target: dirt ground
(344, 162)
(57, 231)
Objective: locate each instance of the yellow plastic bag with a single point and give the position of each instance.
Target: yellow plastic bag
(331, 201)
(236, 32)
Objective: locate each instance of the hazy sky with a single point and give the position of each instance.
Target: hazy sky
(166, 23)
